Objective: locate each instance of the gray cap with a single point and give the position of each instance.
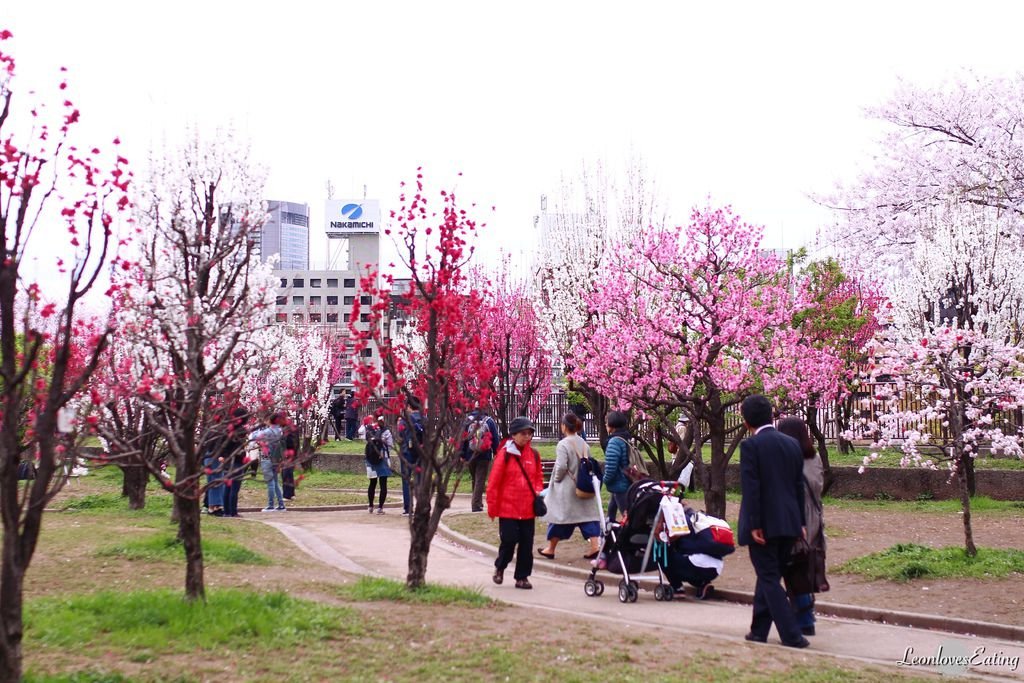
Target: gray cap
(520, 424)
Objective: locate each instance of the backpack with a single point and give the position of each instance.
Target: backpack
(375, 447)
(584, 479)
(478, 436)
(635, 468)
(275, 450)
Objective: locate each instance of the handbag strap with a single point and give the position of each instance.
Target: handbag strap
(522, 469)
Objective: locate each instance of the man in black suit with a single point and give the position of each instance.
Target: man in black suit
(771, 517)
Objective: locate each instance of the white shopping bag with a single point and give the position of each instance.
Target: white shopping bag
(675, 517)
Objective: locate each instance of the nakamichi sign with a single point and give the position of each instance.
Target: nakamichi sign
(344, 217)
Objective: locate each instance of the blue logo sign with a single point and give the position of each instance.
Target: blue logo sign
(352, 211)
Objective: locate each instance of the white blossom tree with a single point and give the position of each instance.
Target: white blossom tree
(954, 350)
(958, 142)
(191, 310)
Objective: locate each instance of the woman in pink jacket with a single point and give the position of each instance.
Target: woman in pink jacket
(516, 479)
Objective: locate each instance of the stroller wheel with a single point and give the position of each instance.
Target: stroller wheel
(590, 588)
(634, 592)
(624, 592)
(600, 588)
(663, 592)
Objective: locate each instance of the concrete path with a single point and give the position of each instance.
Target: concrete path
(378, 545)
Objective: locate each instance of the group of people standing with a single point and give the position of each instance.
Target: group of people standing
(234, 450)
(781, 480)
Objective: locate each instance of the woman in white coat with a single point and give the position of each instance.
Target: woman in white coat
(566, 510)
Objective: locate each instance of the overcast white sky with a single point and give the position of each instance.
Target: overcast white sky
(756, 104)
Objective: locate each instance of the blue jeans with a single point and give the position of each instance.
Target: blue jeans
(804, 606)
(273, 485)
(407, 473)
(231, 494)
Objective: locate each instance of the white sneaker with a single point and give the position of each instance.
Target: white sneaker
(282, 508)
(268, 509)
(370, 510)
(380, 511)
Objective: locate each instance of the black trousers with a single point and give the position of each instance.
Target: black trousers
(770, 601)
(383, 490)
(515, 537)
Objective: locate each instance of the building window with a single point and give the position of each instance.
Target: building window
(332, 301)
(348, 317)
(297, 318)
(314, 301)
(332, 317)
(297, 300)
(365, 300)
(364, 317)
(282, 301)
(282, 317)
(294, 219)
(350, 282)
(349, 300)
(315, 282)
(366, 353)
(332, 282)
(314, 317)
(284, 282)
(298, 282)
(348, 375)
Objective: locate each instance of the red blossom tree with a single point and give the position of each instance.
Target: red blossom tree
(440, 358)
(46, 353)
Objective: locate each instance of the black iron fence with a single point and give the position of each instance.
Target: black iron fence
(864, 408)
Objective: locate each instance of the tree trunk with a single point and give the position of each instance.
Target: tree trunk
(714, 494)
(426, 515)
(189, 533)
(844, 411)
(133, 485)
(965, 503)
(968, 468)
(822, 447)
(12, 582)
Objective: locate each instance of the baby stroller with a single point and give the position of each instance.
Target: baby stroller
(628, 547)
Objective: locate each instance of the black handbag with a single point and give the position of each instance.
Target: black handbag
(539, 507)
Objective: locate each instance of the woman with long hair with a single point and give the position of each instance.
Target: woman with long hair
(814, 478)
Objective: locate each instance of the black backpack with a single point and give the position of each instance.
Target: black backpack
(375, 447)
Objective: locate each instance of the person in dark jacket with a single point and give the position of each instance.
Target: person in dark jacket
(351, 417)
(771, 517)
(292, 436)
(481, 431)
(235, 458)
(516, 479)
(616, 458)
(337, 411)
(410, 435)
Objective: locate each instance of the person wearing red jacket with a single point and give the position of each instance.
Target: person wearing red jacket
(516, 479)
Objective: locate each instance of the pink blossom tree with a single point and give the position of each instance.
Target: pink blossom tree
(47, 354)
(695, 318)
(953, 349)
(516, 338)
(836, 317)
(190, 311)
(591, 209)
(441, 360)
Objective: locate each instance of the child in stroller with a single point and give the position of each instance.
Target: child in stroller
(659, 534)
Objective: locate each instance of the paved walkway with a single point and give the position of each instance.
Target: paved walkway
(378, 545)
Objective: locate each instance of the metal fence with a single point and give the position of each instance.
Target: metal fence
(556, 405)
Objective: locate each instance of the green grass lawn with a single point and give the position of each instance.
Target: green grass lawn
(907, 561)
